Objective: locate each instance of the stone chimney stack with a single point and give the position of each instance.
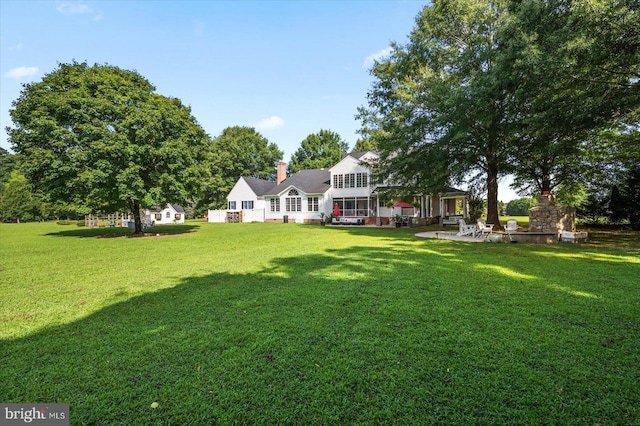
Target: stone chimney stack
(281, 174)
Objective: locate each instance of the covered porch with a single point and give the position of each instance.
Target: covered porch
(427, 207)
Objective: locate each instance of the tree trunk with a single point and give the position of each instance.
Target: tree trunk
(134, 206)
(546, 183)
(545, 179)
(492, 196)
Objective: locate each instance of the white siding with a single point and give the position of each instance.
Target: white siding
(217, 216)
(360, 196)
(165, 216)
(349, 165)
(304, 214)
(240, 192)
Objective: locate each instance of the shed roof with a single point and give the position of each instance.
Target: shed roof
(177, 208)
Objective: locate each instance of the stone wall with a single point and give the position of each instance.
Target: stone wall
(547, 217)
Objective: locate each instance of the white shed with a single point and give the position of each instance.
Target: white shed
(172, 213)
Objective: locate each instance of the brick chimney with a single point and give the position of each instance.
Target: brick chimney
(282, 172)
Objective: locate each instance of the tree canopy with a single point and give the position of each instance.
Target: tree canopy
(17, 201)
(318, 150)
(437, 106)
(99, 136)
(238, 151)
(7, 164)
(485, 88)
(574, 68)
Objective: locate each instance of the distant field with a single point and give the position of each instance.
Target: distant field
(523, 221)
(300, 324)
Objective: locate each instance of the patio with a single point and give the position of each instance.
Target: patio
(448, 235)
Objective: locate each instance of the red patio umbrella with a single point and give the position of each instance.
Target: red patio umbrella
(403, 205)
(336, 210)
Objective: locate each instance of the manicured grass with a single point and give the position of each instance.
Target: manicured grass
(523, 221)
(294, 324)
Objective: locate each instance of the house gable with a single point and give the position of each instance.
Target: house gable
(353, 161)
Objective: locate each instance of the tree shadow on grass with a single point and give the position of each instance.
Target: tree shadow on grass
(614, 238)
(357, 335)
(403, 233)
(156, 231)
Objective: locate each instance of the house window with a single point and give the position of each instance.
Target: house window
(158, 216)
(362, 180)
(167, 215)
(275, 204)
(350, 180)
(177, 216)
(293, 202)
(338, 181)
(312, 204)
(247, 205)
(232, 205)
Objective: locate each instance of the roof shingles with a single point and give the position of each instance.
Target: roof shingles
(314, 181)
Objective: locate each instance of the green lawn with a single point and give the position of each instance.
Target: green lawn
(300, 324)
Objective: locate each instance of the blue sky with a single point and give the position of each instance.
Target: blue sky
(287, 68)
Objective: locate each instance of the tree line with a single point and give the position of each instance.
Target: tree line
(99, 138)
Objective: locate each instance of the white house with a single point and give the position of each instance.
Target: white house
(172, 213)
(299, 198)
(248, 197)
(303, 196)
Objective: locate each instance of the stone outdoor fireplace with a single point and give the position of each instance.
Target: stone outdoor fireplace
(548, 218)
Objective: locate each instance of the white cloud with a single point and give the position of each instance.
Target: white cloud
(369, 60)
(270, 123)
(75, 8)
(21, 72)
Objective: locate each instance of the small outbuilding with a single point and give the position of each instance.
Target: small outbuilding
(172, 213)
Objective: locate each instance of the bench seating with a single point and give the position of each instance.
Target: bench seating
(348, 221)
(451, 220)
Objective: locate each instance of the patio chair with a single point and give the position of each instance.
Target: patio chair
(511, 226)
(466, 229)
(484, 229)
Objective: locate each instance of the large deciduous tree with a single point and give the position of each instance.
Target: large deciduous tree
(100, 136)
(238, 151)
(318, 150)
(574, 66)
(438, 105)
